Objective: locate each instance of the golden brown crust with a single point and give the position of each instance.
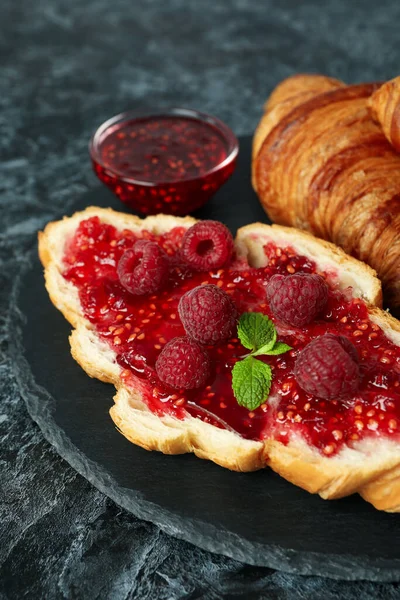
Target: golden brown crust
(326, 166)
(301, 83)
(385, 106)
(384, 492)
(286, 96)
(297, 462)
(334, 477)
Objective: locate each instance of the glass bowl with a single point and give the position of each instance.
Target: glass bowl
(169, 162)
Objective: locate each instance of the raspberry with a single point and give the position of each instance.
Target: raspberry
(328, 367)
(183, 364)
(144, 268)
(297, 299)
(207, 314)
(207, 245)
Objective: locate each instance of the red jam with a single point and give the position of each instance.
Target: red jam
(137, 329)
(168, 163)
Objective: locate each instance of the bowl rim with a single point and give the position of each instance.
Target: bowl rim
(99, 134)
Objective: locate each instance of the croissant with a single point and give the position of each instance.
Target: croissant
(325, 160)
(385, 106)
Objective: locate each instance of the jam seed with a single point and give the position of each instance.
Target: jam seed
(359, 425)
(117, 340)
(119, 317)
(222, 405)
(357, 333)
(358, 409)
(385, 360)
(363, 326)
(329, 449)
(157, 346)
(141, 336)
(337, 434)
(132, 337)
(371, 413)
(372, 424)
(392, 424)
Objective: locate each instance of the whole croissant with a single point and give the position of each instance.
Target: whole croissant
(325, 160)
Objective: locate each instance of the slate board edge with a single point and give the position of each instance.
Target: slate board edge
(39, 404)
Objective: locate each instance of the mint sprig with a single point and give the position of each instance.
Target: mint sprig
(252, 378)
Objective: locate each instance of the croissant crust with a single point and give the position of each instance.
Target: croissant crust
(324, 160)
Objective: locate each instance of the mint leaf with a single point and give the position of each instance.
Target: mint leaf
(279, 348)
(256, 331)
(251, 382)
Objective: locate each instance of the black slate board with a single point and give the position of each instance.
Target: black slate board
(256, 518)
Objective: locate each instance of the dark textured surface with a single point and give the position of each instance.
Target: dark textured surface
(66, 66)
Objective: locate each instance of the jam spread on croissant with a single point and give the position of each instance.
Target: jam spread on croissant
(138, 327)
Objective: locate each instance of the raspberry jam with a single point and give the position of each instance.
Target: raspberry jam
(137, 328)
(171, 163)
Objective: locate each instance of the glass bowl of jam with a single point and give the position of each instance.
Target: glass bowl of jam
(169, 162)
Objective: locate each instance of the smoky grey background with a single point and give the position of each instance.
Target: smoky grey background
(66, 66)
